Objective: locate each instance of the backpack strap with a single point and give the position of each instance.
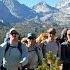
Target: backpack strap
(63, 51)
(58, 45)
(19, 48)
(39, 58)
(7, 47)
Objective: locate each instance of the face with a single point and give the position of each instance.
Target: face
(14, 35)
(31, 41)
(68, 35)
(51, 35)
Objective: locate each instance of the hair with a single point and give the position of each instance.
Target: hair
(64, 34)
(42, 37)
(24, 41)
(51, 31)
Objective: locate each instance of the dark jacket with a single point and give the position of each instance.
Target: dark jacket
(65, 52)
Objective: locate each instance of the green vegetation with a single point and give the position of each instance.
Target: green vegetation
(51, 62)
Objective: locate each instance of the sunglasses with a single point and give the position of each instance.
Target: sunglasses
(14, 32)
(51, 33)
(68, 34)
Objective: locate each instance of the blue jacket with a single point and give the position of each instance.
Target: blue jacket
(13, 58)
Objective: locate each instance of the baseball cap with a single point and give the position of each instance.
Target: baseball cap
(31, 36)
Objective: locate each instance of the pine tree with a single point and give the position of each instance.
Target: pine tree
(51, 62)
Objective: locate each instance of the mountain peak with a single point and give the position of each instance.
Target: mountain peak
(42, 3)
(63, 3)
(43, 7)
(64, 6)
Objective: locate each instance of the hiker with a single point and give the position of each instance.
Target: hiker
(65, 52)
(6, 39)
(15, 54)
(51, 43)
(40, 40)
(35, 52)
(64, 35)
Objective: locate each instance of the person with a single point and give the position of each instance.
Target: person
(40, 40)
(51, 43)
(6, 39)
(64, 35)
(65, 52)
(35, 52)
(1, 58)
(15, 54)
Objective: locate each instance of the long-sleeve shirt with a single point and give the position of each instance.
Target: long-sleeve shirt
(35, 55)
(54, 47)
(12, 58)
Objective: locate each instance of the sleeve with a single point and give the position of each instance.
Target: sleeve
(59, 50)
(63, 56)
(2, 49)
(1, 56)
(40, 54)
(24, 59)
(44, 49)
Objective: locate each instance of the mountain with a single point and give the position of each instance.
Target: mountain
(19, 10)
(64, 6)
(12, 11)
(16, 12)
(45, 12)
(6, 15)
(43, 7)
(64, 15)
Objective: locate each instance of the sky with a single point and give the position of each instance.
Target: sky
(31, 3)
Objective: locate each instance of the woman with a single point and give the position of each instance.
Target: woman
(40, 40)
(51, 43)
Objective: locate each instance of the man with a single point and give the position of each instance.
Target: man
(14, 53)
(35, 52)
(65, 52)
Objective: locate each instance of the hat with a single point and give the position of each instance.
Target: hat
(13, 30)
(31, 36)
(51, 31)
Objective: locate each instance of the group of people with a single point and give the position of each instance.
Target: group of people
(27, 53)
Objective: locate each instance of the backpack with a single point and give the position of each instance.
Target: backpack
(38, 50)
(18, 47)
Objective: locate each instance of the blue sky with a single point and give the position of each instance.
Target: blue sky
(30, 3)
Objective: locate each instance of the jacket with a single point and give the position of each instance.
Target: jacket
(13, 58)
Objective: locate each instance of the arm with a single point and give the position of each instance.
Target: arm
(63, 52)
(24, 60)
(2, 51)
(39, 54)
(59, 50)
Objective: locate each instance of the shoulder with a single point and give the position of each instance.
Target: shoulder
(24, 47)
(3, 44)
(45, 43)
(64, 44)
(38, 47)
